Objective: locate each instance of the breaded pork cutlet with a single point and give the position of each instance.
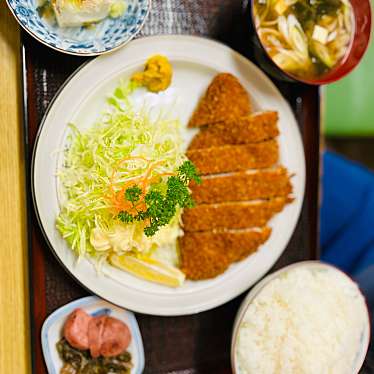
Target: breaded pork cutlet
(203, 264)
(249, 129)
(235, 245)
(225, 99)
(242, 186)
(230, 158)
(232, 215)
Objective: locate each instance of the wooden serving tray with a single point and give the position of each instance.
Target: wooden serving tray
(180, 345)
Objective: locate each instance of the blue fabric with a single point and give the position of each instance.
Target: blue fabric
(347, 214)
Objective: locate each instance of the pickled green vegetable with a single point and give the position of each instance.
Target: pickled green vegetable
(80, 362)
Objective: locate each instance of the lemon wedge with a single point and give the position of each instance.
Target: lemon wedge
(149, 269)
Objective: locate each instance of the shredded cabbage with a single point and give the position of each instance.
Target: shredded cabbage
(91, 159)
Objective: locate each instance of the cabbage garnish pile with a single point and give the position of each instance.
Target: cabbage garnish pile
(117, 150)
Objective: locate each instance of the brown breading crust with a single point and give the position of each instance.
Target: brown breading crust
(225, 99)
(250, 129)
(230, 158)
(217, 250)
(235, 244)
(242, 186)
(237, 215)
(203, 264)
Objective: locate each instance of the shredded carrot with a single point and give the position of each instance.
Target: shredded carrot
(116, 192)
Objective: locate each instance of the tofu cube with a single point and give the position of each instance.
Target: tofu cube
(320, 34)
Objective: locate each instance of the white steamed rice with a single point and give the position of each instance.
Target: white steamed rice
(305, 321)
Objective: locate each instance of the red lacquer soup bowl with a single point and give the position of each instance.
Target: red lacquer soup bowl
(356, 50)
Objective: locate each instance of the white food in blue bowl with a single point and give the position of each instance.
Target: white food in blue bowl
(81, 27)
(77, 13)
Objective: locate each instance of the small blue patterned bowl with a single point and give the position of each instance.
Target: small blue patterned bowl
(106, 36)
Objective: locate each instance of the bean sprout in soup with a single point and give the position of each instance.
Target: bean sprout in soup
(306, 38)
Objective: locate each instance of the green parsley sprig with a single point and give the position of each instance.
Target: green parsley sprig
(162, 207)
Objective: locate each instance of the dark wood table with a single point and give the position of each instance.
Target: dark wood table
(192, 344)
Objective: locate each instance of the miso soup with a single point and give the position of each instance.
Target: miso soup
(306, 38)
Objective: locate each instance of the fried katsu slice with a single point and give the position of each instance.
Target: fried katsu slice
(207, 254)
(230, 158)
(242, 186)
(249, 129)
(203, 264)
(225, 99)
(233, 215)
(235, 244)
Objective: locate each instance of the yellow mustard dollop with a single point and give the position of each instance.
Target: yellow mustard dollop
(157, 74)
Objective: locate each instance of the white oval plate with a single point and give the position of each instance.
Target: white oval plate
(81, 101)
(53, 325)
